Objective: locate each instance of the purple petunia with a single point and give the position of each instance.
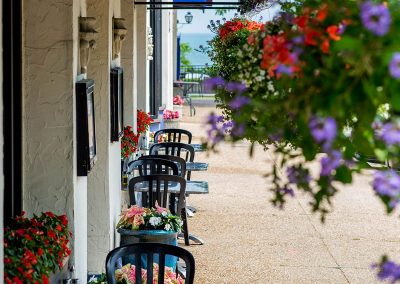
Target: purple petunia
(388, 270)
(237, 130)
(387, 183)
(394, 66)
(238, 102)
(330, 163)
(213, 83)
(375, 18)
(390, 133)
(235, 87)
(284, 69)
(323, 130)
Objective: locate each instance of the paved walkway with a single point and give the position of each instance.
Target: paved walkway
(250, 241)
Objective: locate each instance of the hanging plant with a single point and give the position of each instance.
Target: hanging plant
(313, 84)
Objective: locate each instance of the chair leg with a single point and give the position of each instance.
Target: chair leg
(185, 226)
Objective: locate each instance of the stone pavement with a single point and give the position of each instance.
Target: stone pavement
(250, 241)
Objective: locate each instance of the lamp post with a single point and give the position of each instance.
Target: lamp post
(188, 19)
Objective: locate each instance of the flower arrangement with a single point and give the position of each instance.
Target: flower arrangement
(313, 80)
(140, 218)
(143, 121)
(127, 275)
(170, 114)
(178, 100)
(35, 247)
(129, 142)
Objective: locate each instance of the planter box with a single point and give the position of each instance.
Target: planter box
(150, 236)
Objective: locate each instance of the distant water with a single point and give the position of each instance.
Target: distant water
(195, 40)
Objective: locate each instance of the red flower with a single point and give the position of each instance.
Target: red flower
(16, 280)
(28, 237)
(63, 219)
(7, 260)
(51, 234)
(59, 228)
(322, 13)
(20, 232)
(325, 46)
(40, 251)
(49, 214)
(45, 279)
(333, 32)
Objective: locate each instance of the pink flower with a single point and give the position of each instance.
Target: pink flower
(160, 209)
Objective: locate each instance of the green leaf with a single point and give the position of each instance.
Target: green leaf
(343, 174)
(381, 154)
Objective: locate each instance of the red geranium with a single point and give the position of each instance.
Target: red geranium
(30, 254)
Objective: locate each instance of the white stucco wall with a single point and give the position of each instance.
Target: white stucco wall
(50, 70)
(167, 58)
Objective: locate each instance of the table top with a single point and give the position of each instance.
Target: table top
(196, 166)
(177, 83)
(192, 187)
(197, 148)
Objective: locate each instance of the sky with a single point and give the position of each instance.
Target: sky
(202, 19)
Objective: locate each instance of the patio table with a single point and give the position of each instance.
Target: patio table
(197, 147)
(196, 166)
(186, 87)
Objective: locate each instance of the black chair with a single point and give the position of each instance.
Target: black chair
(156, 186)
(174, 135)
(177, 160)
(149, 250)
(182, 150)
(154, 166)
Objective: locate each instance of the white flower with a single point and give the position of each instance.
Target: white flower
(167, 227)
(270, 87)
(164, 213)
(155, 221)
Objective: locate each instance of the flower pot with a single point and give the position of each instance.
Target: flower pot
(171, 123)
(179, 109)
(150, 236)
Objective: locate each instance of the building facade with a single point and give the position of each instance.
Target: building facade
(57, 50)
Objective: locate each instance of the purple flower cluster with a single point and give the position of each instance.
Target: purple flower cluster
(213, 83)
(387, 184)
(218, 128)
(390, 133)
(388, 270)
(323, 130)
(375, 18)
(297, 175)
(394, 66)
(238, 102)
(330, 163)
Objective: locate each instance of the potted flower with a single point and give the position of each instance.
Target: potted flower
(171, 119)
(34, 248)
(142, 225)
(178, 104)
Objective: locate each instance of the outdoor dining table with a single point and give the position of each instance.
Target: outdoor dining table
(197, 148)
(186, 87)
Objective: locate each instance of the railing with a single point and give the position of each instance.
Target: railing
(195, 73)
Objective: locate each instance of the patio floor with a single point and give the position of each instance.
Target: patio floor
(247, 240)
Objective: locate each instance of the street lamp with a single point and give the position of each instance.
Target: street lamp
(188, 17)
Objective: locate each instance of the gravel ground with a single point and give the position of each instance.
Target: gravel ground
(247, 240)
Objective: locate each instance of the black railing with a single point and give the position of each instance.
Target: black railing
(195, 73)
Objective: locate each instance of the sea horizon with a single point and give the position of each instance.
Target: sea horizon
(195, 40)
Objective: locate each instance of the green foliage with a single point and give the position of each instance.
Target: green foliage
(185, 51)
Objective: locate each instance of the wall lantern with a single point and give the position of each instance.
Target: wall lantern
(119, 31)
(87, 36)
(188, 17)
